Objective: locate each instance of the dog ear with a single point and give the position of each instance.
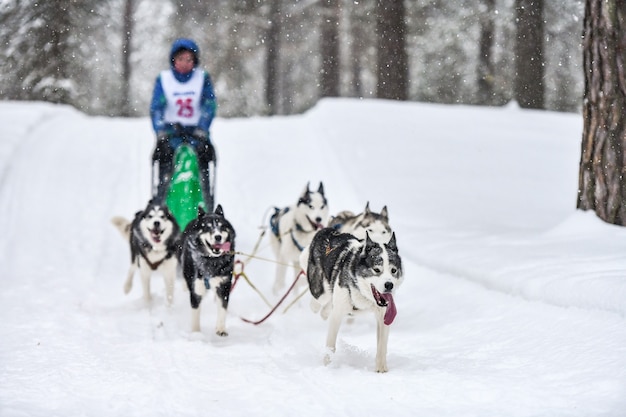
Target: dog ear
(201, 211)
(304, 197)
(218, 210)
(368, 241)
(306, 190)
(391, 245)
(367, 208)
(321, 188)
(385, 213)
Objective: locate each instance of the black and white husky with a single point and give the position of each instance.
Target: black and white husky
(207, 260)
(153, 236)
(348, 275)
(293, 229)
(375, 224)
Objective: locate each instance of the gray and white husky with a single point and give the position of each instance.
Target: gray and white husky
(153, 236)
(347, 275)
(376, 225)
(293, 229)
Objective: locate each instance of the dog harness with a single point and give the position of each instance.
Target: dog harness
(274, 220)
(153, 265)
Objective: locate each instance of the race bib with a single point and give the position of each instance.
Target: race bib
(183, 99)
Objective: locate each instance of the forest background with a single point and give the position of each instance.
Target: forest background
(275, 57)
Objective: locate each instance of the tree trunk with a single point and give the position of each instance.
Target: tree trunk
(126, 108)
(601, 181)
(529, 59)
(329, 49)
(485, 59)
(393, 78)
(272, 40)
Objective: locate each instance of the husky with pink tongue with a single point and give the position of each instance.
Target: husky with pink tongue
(207, 261)
(347, 275)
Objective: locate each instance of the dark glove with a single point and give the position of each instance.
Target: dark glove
(200, 134)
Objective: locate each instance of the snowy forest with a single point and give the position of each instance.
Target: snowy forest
(278, 57)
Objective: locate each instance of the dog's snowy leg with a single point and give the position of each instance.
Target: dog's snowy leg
(128, 285)
(145, 273)
(169, 275)
(328, 356)
(315, 305)
(382, 337)
(222, 292)
(195, 319)
(220, 326)
(334, 323)
(326, 311)
(279, 282)
(195, 296)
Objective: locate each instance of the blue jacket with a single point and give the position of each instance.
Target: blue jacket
(208, 103)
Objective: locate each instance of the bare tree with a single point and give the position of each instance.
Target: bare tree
(272, 59)
(485, 68)
(127, 36)
(393, 78)
(529, 61)
(602, 186)
(329, 48)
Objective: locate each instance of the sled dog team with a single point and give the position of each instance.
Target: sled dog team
(351, 262)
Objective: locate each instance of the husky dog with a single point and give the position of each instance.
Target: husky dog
(153, 236)
(348, 275)
(375, 224)
(293, 229)
(207, 260)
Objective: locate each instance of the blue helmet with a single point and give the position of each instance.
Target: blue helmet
(187, 44)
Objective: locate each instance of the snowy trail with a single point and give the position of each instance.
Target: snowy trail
(74, 344)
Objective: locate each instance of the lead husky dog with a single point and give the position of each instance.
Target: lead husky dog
(207, 259)
(153, 237)
(348, 275)
(375, 224)
(293, 229)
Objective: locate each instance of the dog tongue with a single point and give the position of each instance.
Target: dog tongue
(224, 246)
(390, 313)
(156, 235)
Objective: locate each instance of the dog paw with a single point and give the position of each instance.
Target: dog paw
(381, 368)
(329, 354)
(221, 333)
(315, 306)
(326, 311)
(128, 286)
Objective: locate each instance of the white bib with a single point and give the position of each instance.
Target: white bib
(183, 99)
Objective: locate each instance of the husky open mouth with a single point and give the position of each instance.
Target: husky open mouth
(156, 233)
(385, 300)
(315, 225)
(217, 248)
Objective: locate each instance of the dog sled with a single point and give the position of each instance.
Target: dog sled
(186, 192)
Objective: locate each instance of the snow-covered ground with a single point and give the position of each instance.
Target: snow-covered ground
(513, 302)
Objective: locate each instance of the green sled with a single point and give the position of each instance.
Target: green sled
(185, 192)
